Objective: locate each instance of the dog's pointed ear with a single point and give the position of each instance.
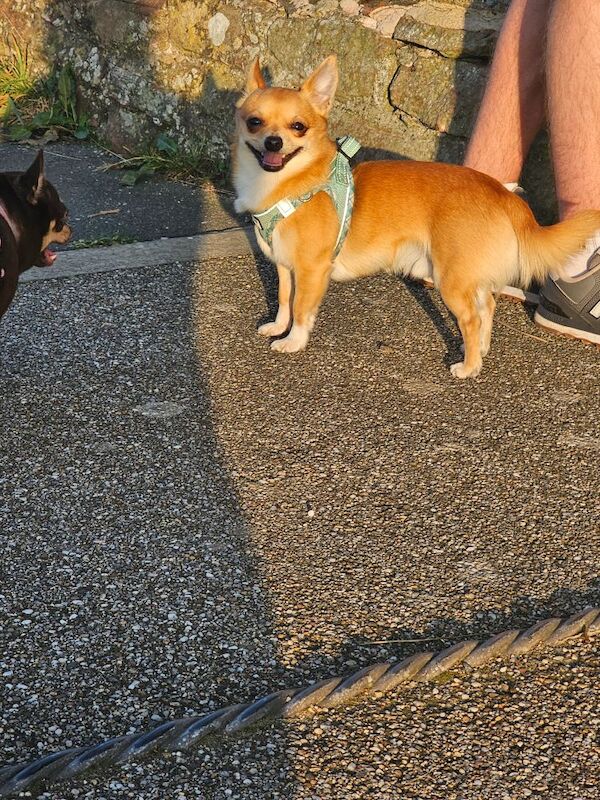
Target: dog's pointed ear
(320, 87)
(31, 181)
(255, 78)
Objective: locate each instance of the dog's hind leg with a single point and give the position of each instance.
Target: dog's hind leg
(285, 293)
(486, 304)
(310, 285)
(462, 303)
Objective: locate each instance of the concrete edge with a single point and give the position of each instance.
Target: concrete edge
(201, 247)
(228, 243)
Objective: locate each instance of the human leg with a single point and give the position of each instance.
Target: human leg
(572, 306)
(512, 110)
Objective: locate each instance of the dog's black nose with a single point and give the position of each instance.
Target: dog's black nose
(273, 143)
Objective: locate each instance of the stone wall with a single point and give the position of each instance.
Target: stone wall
(412, 71)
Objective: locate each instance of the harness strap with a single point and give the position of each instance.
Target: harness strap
(339, 186)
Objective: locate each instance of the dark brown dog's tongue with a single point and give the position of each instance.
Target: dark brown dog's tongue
(272, 159)
(48, 258)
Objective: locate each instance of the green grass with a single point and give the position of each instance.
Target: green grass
(33, 107)
(15, 76)
(168, 157)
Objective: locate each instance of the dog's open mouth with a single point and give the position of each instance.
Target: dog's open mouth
(272, 161)
(47, 258)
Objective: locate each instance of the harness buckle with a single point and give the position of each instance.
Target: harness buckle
(348, 145)
(285, 208)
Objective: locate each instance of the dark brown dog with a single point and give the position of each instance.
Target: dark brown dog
(32, 217)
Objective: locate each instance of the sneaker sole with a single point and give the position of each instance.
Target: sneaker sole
(565, 330)
(508, 292)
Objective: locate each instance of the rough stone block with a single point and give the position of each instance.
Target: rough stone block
(449, 29)
(441, 93)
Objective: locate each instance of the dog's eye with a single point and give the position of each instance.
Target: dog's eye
(253, 123)
(58, 226)
(299, 126)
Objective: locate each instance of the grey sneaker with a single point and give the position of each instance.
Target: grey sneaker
(572, 306)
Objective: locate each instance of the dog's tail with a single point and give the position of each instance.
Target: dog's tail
(546, 249)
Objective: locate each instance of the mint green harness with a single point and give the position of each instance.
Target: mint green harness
(339, 186)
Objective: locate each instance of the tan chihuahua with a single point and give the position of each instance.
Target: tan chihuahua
(458, 227)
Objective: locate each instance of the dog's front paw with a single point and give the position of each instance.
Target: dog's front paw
(272, 329)
(459, 370)
(292, 343)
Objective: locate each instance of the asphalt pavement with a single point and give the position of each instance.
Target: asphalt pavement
(189, 520)
(102, 208)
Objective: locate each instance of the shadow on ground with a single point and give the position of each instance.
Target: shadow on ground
(129, 592)
(192, 520)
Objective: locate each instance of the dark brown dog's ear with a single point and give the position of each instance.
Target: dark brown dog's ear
(320, 87)
(31, 181)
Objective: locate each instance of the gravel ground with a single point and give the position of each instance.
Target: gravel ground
(189, 520)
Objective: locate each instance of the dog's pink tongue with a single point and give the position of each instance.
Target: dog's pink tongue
(49, 257)
(272, 159)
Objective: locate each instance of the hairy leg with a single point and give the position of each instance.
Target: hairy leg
(285, 291)
(512, 110)
(573, 85)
